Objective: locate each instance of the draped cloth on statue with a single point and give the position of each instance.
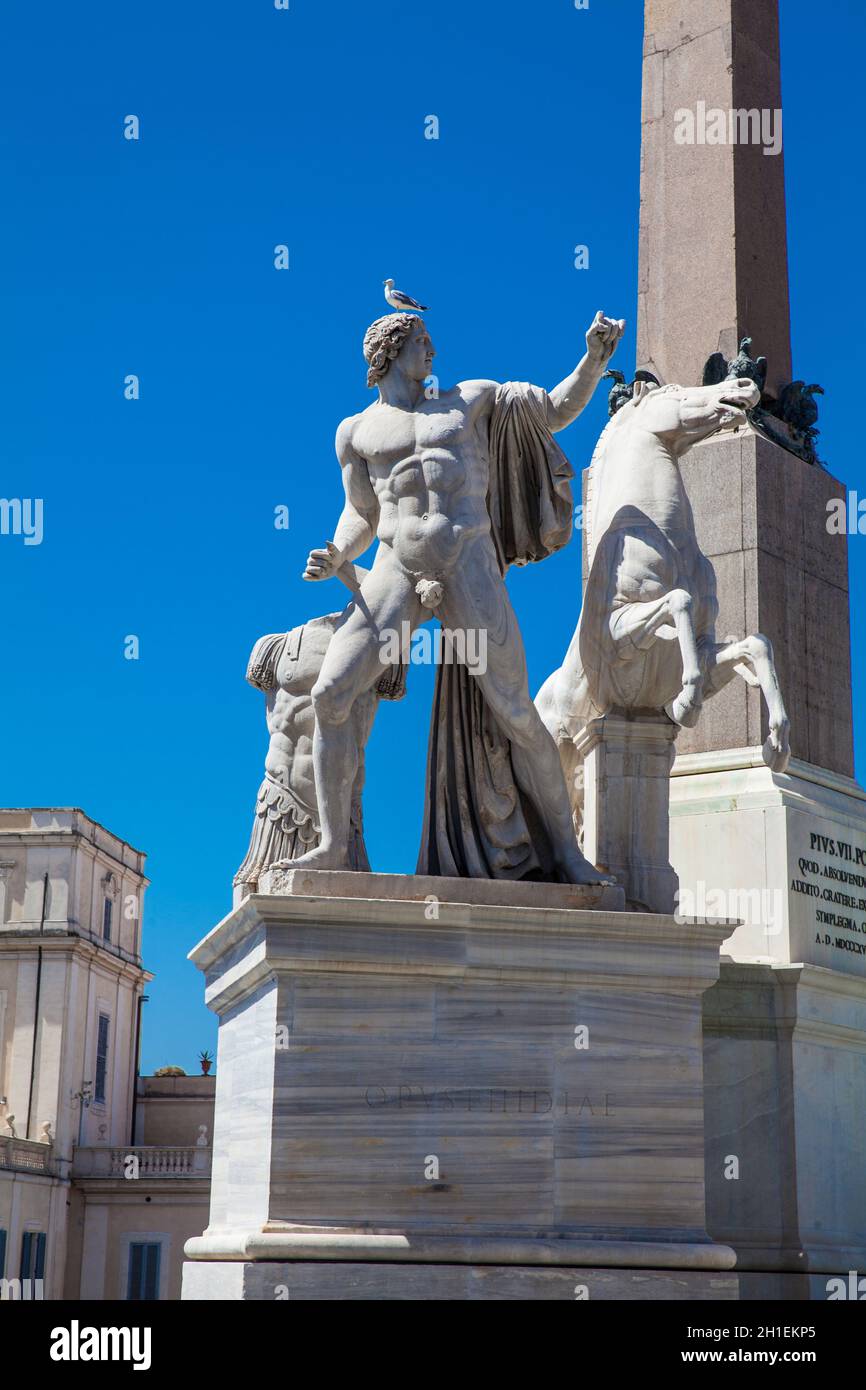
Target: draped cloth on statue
(477, 822)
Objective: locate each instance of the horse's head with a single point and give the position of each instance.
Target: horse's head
(683, 415)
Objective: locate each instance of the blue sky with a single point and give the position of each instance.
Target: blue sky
(155, 257)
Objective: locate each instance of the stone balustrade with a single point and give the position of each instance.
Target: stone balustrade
(142, 1161)
(29, 1155)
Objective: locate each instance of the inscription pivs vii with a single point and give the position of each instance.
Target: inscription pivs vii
(814, 869)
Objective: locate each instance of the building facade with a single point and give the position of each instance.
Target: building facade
(103, 1175)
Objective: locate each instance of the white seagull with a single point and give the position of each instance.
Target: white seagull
(398, 300)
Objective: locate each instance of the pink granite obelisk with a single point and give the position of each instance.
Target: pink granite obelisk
(713, 251)
(713, 269)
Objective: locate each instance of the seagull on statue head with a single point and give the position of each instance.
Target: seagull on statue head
(398, 300)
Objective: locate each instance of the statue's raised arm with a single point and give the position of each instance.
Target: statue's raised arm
(568, 399)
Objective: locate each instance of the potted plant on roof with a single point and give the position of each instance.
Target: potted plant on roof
(206, 1060)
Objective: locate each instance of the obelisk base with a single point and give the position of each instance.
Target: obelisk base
(783, 853)
(784, 1098)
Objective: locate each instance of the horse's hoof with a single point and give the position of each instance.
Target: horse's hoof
(776, 758)
(683, 711)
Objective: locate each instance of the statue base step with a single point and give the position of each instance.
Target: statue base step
(427, 888)
(347, 1281)
(406, 1082)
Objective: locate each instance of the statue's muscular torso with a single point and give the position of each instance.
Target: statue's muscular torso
(429, 470)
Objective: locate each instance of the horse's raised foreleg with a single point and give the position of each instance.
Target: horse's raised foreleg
(752, 658)
(668, 618)
(686, 707)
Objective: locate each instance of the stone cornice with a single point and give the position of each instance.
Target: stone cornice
(336, 1245)
(117, 849)
(745, 759)
(171, 1188)
(272, 934)
(14, 941)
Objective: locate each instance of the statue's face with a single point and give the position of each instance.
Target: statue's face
(416, 355)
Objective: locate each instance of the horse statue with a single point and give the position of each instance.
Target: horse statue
(646, 635)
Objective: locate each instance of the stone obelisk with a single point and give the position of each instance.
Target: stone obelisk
(713, 269)
(713, 255)
(785, 1027)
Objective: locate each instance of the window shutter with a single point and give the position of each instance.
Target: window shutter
(39, 1272)
(136, 1254)
(26, 1246)
(151, 1272)
(2, 1254)
(101, 1059)
(143, 1282)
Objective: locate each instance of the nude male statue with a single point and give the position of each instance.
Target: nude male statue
(415, 476)
(286, 666)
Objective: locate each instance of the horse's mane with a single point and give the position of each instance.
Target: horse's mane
(592, 479)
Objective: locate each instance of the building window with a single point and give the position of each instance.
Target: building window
(143, 1282)
(101, 1059)
(106, 919)
(33, 1255)
(6, 867)
(2, 1254)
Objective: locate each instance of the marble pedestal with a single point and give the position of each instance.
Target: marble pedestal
(783, 852)
(626, 807)
(785, 1027)
(785, 1100)
(424, 1096)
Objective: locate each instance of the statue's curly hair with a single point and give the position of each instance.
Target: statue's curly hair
(382, 342)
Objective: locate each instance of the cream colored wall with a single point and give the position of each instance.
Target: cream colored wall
(171, 1109)
(78, 983)
(8, 987)
(4, 996)
(84, 862)
(113, 1219)
(81, 976)
(31, 1202)
(12, 897)
(107, 992)
(89, 1225)
(74, 1242)
(124, 888)
(18, 979)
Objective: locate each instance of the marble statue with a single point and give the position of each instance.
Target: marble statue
(646, 639)
(455, 486)
(286, 666)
